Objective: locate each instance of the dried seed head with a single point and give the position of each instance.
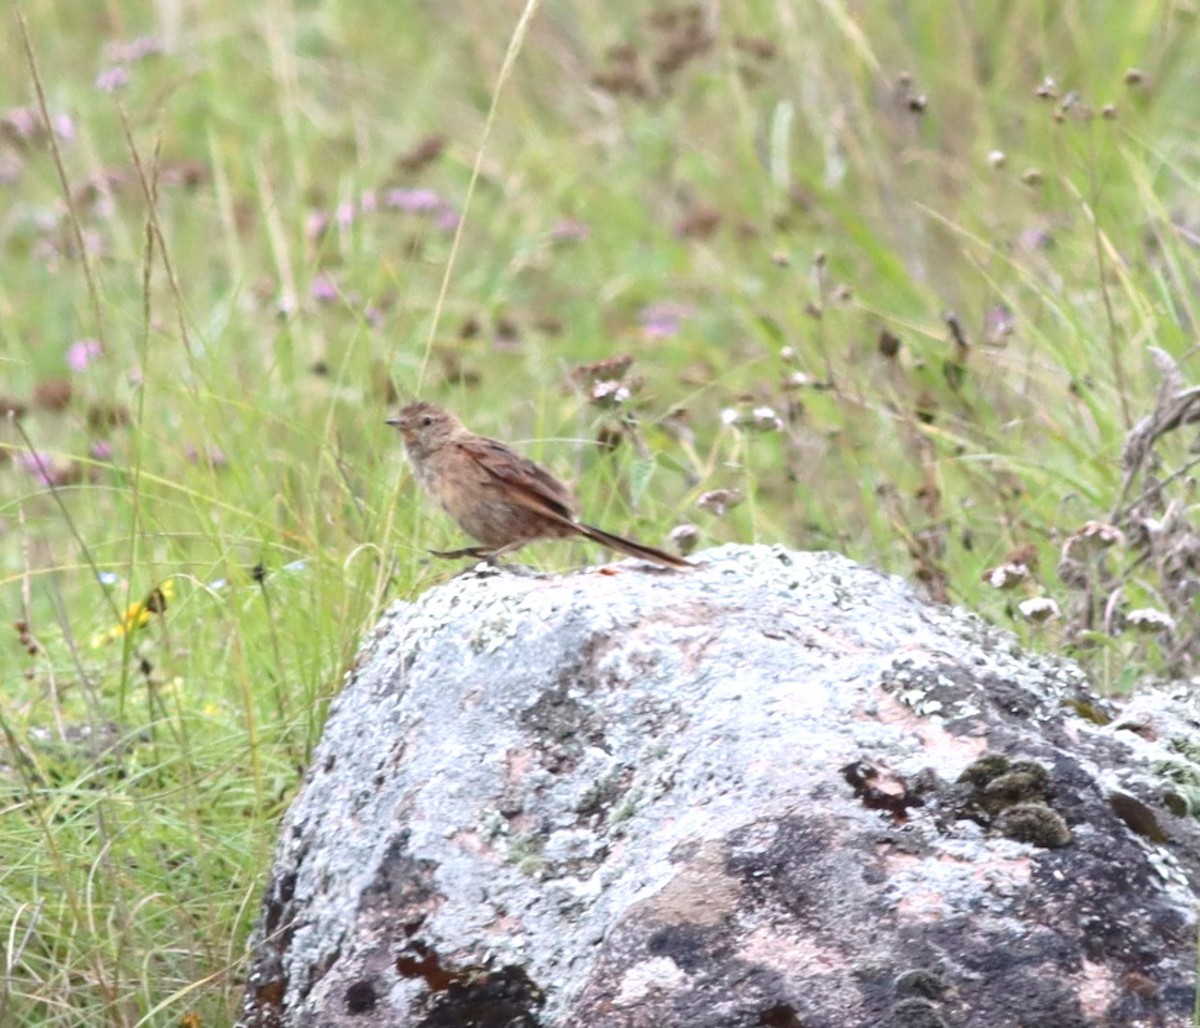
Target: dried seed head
(11, 407)
(53, 394)
(426, 151)
(1006, 576)
(685, 537)
(1039, 609)
(610, 369)
(609, 394)
(760, 419)
(764, 419)
(719, 501)
(1150, 621)
(1093, 537)
(797, 380)
(1027, 555)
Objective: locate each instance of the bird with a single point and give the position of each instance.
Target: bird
(495, 495)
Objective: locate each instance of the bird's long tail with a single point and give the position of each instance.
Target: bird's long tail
(616, 542)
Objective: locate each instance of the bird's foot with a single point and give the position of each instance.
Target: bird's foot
(478, 552)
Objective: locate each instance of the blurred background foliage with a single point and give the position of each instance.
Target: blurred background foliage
(917, 282)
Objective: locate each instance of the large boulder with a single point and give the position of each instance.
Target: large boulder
(776, 790)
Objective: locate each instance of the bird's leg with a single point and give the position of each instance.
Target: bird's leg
(478, 552)
(481, 552)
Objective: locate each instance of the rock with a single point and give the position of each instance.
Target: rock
(777, 790)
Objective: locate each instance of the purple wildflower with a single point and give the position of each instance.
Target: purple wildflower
(413, 201)
(64, 127)
(317, 225)
(40, 467)
(22, 123)
(112, 79)
(135, 50)
(662, 320)
(82, 353)
(101, 449)
(323, 289)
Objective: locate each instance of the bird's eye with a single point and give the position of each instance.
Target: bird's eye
(426, 421)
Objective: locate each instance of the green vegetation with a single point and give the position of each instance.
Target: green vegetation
(226, 249)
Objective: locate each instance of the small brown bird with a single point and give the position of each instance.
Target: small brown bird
(495, 495)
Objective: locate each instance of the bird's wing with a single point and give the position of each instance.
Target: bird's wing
(529, 483)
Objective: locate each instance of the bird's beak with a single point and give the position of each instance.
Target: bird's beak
(394, 422)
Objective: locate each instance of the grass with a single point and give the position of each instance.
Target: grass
(264, 262)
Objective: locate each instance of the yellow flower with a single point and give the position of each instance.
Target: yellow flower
(138, 615)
